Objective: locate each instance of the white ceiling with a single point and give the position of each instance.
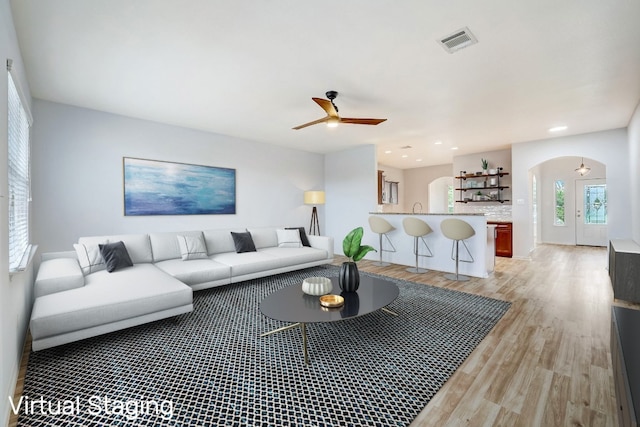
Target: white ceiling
(249, 68)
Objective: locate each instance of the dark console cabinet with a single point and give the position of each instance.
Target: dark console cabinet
(624, 269)
(625, 357)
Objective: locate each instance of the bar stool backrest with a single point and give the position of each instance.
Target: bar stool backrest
(416, 227)
(456, 229)
(380, 225)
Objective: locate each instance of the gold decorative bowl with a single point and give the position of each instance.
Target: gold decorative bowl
(331, 301)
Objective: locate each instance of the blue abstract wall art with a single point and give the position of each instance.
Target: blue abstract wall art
(153, 187)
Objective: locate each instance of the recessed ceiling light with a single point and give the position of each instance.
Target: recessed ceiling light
(454, 148)
(387, 152)
(438, 143)
(404, 156)
(418, 160)
(558, 128)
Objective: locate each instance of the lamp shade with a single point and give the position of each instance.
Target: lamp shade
(314, 197)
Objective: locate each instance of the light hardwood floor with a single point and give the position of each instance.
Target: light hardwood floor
(547, 362)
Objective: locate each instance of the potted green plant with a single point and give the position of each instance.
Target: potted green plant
(349, 278)
(485, 165)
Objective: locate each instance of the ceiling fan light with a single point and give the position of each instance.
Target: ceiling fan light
(333, 122)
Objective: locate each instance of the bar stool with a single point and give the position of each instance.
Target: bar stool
(418, 229)
(457, 230)
(382, 227)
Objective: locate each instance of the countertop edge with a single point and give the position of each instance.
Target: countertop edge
(423, 213)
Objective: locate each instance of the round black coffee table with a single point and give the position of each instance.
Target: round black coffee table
(290, 304)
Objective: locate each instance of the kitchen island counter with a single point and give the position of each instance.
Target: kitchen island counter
(481, 245)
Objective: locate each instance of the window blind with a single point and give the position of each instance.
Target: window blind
(19, 182)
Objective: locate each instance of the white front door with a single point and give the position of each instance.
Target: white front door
(591, 212)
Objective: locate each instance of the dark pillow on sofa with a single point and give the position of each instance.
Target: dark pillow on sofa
(303, 235)
(243, 242)
(115, 256)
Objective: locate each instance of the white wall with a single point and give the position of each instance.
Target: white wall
(15, 291)
(78, 184)
(535, 200)
(417, 184)
(634, 165)
(439, 195)
(609, 147)
(562, 168)
(351, 191)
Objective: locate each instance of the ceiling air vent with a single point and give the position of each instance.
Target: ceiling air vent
(458, 40)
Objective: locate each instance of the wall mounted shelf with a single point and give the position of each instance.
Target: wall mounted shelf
(481, 184)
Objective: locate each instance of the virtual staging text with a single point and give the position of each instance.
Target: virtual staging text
(94, 405)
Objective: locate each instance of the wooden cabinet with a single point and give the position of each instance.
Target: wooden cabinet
(625, 351)
(504, 238)
(624, 269)
(388, 192)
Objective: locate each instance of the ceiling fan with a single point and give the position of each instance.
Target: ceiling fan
(332, 119)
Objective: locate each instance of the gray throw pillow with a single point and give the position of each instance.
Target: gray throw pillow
(243, 242)
(115, 256)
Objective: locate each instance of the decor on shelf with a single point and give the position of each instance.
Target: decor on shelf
(314, 198)
(153, 187)
(349, 278)
(472, 187)
(583, 170)
(485, 165)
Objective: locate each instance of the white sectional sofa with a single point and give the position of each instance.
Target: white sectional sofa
(78, 298)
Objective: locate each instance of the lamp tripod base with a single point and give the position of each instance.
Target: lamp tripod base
(314, 226)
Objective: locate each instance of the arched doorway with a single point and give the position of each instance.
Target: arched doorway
(441, 195)
(569, 208)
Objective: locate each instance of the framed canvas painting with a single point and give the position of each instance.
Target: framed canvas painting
(153, 187)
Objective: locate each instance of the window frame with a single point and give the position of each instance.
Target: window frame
(559, 222)
(19, 122)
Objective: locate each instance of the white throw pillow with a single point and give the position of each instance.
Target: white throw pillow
(289, 238)
(192, 247)
(89, 257)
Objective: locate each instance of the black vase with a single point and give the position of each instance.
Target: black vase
(349, 278)
(351, 304)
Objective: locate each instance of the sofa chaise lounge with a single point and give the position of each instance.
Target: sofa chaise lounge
(76, 297)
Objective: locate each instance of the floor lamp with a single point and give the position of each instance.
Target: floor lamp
(314, 198)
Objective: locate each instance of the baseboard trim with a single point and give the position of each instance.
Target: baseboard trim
(18, 381)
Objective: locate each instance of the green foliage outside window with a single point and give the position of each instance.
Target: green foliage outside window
(559, 203)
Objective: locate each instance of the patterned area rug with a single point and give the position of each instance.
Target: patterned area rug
(211, 367)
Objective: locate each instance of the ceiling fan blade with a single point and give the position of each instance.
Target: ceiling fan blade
(361, 121)
(326, 106)
(315, 122)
